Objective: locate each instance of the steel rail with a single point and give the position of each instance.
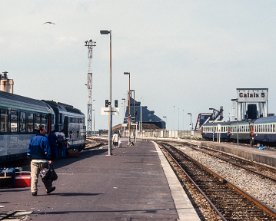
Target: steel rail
(257, 203)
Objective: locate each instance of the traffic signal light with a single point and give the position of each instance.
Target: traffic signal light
(106, 103)
(116, 103)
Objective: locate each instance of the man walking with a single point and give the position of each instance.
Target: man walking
(40, 153)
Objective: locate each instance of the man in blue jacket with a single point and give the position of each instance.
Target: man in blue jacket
(40, 153)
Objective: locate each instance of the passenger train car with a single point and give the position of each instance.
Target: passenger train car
(21, 116)
(262, 130)
(71, 121)
(265, 130)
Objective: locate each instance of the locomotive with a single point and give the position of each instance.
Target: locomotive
(21, 116)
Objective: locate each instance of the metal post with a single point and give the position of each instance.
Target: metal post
(134, 113)
(141, 117)
(191, 122)
(110, 100)
(128, 118)
(104, 32)
(90, 44)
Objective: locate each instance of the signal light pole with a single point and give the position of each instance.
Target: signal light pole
(89, 44)
(128, 117)
(106, 32)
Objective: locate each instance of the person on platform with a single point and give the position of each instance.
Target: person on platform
(115, 139)
(61, 144)
(52, 139)
(40, 153)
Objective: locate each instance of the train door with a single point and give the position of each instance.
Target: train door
(66, 126)
(50, 123)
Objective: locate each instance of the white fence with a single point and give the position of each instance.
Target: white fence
(184, 134)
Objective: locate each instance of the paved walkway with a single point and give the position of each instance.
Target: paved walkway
(129, 185)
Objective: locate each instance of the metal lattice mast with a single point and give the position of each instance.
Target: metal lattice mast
(89, 44)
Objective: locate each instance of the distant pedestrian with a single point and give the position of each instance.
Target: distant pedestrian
(115, 139)
(61, 144)
(52, 139)
(40, 153)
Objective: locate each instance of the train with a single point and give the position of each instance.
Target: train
(261, 130)
(21, 116)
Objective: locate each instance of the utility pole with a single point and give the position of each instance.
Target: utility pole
(89, 44)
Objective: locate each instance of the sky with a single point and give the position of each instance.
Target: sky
(184, 56)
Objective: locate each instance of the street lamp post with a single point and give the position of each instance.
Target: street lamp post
(191, 122)
(106, 32)
(141, 116)
(165, 117)
(128, 117)
(124, 107)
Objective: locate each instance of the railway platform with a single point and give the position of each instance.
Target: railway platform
(135, 183)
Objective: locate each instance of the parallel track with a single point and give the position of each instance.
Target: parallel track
(229, 201)
(260, 170)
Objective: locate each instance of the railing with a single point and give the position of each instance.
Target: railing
(182, 134)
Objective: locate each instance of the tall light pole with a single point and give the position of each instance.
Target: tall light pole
(124, 107)
(128, 117)
(165, 117)
(191, 121)
(134, 104)
(183, 119)
(89, 44)
(106, 32)
(178, 119)
(141, 115)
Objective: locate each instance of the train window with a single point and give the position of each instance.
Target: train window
(14, 123)
(44, 121)
(22, 122)
(30, 122)
(5, 126)
(37, 121)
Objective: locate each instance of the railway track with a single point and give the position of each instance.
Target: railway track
(229, 202)
(256, 168)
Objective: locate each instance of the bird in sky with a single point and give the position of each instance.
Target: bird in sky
(49, 22)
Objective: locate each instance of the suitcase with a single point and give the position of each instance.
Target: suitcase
(22, 179)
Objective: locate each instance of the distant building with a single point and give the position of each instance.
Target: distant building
(142, 114)
(250, 104)
(6, 84)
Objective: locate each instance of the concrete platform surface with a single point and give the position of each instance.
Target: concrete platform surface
(129, 185)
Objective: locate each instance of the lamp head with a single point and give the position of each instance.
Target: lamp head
(105, 32)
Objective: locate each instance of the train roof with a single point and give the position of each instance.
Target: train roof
(8, 100)
(222, 123)
(270, 119)
(61, 107)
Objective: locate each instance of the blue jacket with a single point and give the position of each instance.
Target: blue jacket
(39, 148)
